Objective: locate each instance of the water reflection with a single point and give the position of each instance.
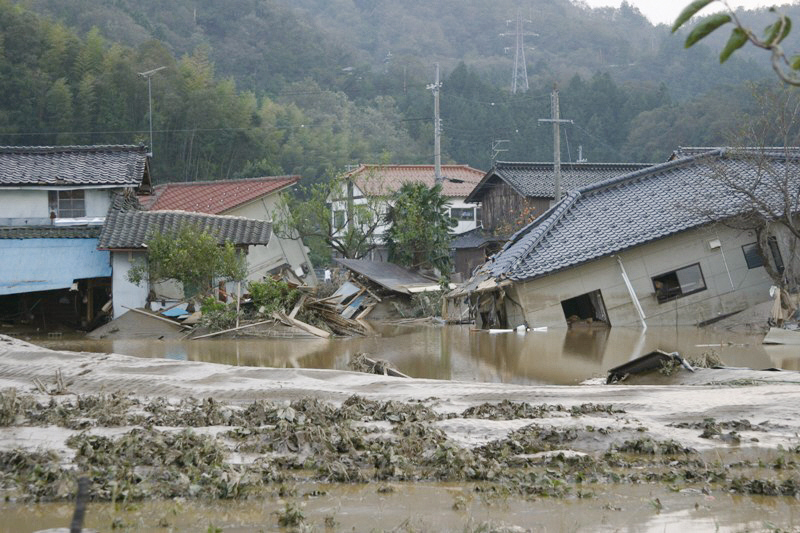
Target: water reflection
(558, 356)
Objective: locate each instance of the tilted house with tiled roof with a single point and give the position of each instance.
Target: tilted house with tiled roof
(512, 193)
(127, 230)
(380, 181)
(53, 200)
(659, 246)
(253, 198)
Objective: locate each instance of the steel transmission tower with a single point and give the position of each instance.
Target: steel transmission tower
(519, 81)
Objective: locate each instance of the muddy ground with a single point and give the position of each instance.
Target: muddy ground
(148, 430)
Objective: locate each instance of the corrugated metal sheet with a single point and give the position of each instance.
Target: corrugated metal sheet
(29, 265)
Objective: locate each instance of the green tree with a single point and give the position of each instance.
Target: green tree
(419, 228)
(191, 257)
(322, 213)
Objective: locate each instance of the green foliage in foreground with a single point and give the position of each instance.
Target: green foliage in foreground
(191, 257)
(419, 225)
(272, 295)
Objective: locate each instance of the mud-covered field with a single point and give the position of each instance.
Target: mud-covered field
(148, 430)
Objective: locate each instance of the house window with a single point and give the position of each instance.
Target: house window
(463, 213)
(678, 283)
(67, 204)
(338, 219)
(752, 256)
(479, 217)
(775, 250)
(585, 309)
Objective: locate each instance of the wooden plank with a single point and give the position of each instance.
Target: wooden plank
(232, 329)
(298, 306)
(302, 325)
(151, 315)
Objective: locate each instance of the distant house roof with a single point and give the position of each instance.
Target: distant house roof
(475, 238)
(777, 151)
(537, 179)
(88, 166)
(380, 180)
(214, 197)
(129, 230)
(608, 217)
(388, 275)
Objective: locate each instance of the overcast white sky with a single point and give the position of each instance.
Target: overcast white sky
(666, 11)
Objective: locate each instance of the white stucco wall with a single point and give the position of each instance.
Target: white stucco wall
(262, 258)
(28, 207)
(124, 293)
(730, 285)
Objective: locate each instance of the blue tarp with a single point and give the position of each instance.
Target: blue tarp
(29, 265)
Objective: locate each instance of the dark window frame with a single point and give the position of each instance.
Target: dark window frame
(674, 290)
(752, 255)
(462, 210)
(775, 250)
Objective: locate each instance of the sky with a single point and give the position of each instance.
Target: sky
(666, 11)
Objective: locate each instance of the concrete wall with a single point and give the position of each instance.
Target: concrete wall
(262, 258)
(730, 285)
(26, 207)
(125, 293)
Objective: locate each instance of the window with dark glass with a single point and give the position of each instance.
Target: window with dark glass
(338, 219)
(67, 204)
(752, 256)
(462, 213)
(678, 283)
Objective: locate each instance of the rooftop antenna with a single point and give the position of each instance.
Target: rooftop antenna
(149, 75)
(497, 147)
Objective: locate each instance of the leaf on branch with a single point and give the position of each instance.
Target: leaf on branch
(705, 27)
(688, 12)
(777, 32)
(737, 39)
(795, 62)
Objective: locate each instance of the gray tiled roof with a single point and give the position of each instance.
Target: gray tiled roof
(128, 230)
(50, 232)
(473, 239)
(606, 218)
(537, 179)
(123, 165)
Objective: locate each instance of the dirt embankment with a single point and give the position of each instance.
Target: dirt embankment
(146, 428)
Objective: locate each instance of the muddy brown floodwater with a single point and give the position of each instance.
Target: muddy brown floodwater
(647, 502)
(558, 356)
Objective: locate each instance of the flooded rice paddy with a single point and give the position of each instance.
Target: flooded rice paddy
(558, 356)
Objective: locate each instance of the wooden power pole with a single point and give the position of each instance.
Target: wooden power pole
(555, 114)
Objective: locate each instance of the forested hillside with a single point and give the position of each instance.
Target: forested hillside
(309, 86)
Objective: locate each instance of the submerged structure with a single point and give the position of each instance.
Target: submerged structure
(684, 242)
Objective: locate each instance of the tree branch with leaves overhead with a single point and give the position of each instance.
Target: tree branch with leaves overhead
(787, 67)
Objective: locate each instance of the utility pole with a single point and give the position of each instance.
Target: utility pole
(149, 76)
(556, 120)
(519, 81)
(437, 130)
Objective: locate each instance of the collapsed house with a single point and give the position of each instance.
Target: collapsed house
(253, 198)
(126, 231)
(676, 243)
(53, 202)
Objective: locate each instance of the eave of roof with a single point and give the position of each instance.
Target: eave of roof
(129, 230)
(75, 166)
